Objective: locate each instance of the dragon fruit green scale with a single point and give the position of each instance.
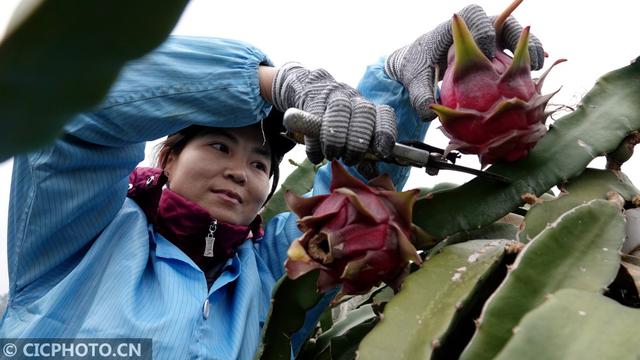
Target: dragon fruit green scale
(492, 108)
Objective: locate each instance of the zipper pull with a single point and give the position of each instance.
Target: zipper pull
(210, 239)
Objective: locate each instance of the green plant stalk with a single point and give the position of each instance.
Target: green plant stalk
(578, 250)
(290, 302)
(300, 181)
(355, 318)
(63, 56)
(436, 188)
(591, 184)
(326, 320)
(609, 112)
(491, 231)
(575, 324)
(418, 318)
(344, 347)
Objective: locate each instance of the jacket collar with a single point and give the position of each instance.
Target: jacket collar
(185, 223)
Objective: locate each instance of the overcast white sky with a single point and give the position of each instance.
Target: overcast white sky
(345, 36)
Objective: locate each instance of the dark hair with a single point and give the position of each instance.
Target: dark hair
(271, 128)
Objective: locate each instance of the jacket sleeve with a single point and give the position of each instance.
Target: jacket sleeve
(64, 195)
(282, 229)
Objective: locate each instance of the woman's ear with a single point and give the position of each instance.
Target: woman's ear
(168, 162)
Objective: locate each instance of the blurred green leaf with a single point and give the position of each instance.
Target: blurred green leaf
(343, 338)
(63, 56)
(290, 302)
(300, 181)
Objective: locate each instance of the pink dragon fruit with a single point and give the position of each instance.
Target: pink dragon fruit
(491, 107)
(358, 235)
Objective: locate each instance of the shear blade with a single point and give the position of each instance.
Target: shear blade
(487, 175)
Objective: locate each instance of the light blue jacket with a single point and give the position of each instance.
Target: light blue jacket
(83, 260)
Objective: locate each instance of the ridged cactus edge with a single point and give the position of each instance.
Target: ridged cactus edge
(578, 250)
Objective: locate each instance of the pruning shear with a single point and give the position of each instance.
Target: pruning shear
(300, 123)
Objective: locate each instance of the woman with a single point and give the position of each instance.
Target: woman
(177, 254)
(86, 260)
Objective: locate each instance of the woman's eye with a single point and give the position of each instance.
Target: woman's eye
(220, 147)
(260, 166)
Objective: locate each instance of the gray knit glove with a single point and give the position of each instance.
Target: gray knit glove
(415, 64)
(351, 125)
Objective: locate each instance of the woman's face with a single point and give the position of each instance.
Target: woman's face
(225, 172)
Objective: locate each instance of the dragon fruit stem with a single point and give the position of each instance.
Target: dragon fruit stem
(498, 24)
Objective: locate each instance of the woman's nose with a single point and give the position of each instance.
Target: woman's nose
(236, 173)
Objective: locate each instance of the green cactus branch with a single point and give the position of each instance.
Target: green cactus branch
(609, 112)
(496, 230)
(290, 302)
(433, 301)
(300, 181)
(575, 324)
(578, 250)
(63, 56)
(341, 341)
(591, 184)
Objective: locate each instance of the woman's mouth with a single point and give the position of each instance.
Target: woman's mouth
(228, 195)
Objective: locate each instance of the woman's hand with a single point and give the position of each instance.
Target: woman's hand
(415, 64)
(351, 125)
